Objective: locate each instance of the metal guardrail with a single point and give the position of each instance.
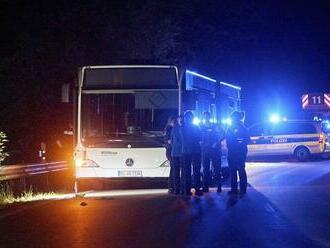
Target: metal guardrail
(9, 172)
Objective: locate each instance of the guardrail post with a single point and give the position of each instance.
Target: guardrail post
(21, 175)
(47, 181)
(75, 186)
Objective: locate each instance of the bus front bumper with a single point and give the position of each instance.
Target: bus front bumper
(97, 172)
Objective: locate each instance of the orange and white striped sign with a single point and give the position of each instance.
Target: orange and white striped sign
(327, 100)
(316, 101)
(305, 101)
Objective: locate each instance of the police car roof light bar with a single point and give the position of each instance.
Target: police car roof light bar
(274, 118)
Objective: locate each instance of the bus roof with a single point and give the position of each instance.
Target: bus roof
(213, 80)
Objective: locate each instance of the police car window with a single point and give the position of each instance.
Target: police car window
(258, 130)
(279, 129)
(303, 128)
(292, 128)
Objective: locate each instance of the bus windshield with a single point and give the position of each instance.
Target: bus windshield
(118, 117)
(161, 77)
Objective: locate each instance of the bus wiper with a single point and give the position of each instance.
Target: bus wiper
(105, 141)
(100, 142)
(154, 138)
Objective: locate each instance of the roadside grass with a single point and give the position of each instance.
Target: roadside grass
(7, 196)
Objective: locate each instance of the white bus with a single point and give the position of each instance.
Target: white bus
(121, 112)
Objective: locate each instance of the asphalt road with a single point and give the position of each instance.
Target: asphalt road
(287, 205)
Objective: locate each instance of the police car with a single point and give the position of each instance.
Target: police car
(299, 138)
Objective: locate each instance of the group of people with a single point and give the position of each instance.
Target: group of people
(192, 149)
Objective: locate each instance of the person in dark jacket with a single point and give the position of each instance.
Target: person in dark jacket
(212, 135)
(191, 154)
(237, 139)
(176, 155)
(168, 146)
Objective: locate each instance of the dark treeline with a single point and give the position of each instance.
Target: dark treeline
(44, 42)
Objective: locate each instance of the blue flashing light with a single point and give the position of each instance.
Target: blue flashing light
(326, 124)
(196, 121)
(212, 120)
(231, 85)
(227, 121)
(274, 118)
(201, 76)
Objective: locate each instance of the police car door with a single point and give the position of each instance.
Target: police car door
(260, 144)
(279, 134)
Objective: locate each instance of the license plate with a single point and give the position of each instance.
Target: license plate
(130, 173)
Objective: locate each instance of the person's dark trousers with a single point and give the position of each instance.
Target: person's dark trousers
(242, 173)
(233, 173)
(186, 169)
(237, 164)
(177, 172)
(193, 160)
(171, 176)
(213, 156)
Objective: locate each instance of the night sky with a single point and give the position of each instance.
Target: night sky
(276, 50)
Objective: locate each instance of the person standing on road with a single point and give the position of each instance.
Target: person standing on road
(176, 155)
(212, 135)
(168, 146)
(191, 154)
(237, 139)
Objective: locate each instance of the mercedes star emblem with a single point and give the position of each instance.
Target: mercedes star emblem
(129, 162)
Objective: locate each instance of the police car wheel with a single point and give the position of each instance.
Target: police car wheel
(302, 153)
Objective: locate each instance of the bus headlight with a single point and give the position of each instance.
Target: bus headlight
(165, 164)
(83, 163)
(79, 156)
(79, 162)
